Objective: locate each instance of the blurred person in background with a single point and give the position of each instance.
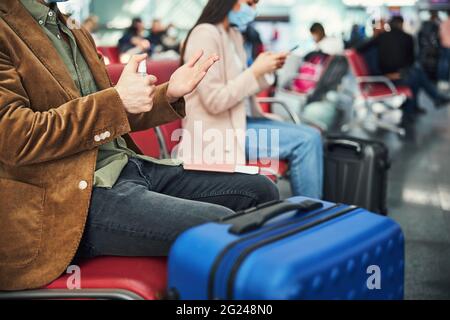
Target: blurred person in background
(444, 61)
(226, 101)
(430, 46)
(157, 33)
(371, 54)
(328, 45)
(133, 41)
(91, 24)
(163, 38)
(396, 60)
(171, 41)
(378, 27)
(357, 36)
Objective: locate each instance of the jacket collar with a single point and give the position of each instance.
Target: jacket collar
(40, 11)
(89, 52)
(29, 30)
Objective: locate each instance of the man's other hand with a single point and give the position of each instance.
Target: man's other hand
(188, 77)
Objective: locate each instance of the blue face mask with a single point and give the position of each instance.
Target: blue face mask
(242, 18)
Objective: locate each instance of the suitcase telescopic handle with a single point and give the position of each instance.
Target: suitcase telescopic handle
(347, 144)
(254, 220)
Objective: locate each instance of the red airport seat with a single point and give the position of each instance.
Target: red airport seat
(167, 138)
(106, 278)
(281, 173)
(375, 89)
(112, 53)
(115, 71)
(138, 278)
(148, 143)
(265, 107)
(380, 91)
(357, 63)
(162, 70)
(309, 74)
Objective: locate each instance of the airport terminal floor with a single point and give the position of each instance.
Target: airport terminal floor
(419, 199)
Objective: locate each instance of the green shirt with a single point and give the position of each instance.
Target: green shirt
(113, 156)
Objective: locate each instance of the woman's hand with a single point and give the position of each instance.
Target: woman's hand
(188, 77)
(268, 62)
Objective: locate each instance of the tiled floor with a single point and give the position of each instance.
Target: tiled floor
(419, 199)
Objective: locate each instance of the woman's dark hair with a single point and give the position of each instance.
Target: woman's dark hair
(215, 12)
(133, 28)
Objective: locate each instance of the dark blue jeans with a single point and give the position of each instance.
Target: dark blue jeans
(444, 65)
(416, 79)
(150, 205)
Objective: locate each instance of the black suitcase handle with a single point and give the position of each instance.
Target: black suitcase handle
(255, 218)
(345, 143)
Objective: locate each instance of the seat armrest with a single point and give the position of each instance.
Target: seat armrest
(66, 294)
(379, 79)
(294, 117)
(162, 143)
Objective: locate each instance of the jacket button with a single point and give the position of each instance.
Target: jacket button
(83, 185)
(97, 138)
(105, 135)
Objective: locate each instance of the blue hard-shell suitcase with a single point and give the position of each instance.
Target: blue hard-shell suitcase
(289, 250)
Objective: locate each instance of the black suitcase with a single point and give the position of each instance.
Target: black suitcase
(356, 173)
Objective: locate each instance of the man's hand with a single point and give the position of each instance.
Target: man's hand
(136, 91)
(188, 77)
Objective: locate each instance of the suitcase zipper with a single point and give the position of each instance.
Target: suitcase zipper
(228, 248)
(240, 260)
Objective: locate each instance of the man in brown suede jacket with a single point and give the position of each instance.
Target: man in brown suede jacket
(72, 183)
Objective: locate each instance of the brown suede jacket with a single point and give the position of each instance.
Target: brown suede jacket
(47, 147)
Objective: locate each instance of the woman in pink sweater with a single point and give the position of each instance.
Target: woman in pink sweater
(224, 122)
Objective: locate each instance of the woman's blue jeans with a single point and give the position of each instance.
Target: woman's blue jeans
(300, 145)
